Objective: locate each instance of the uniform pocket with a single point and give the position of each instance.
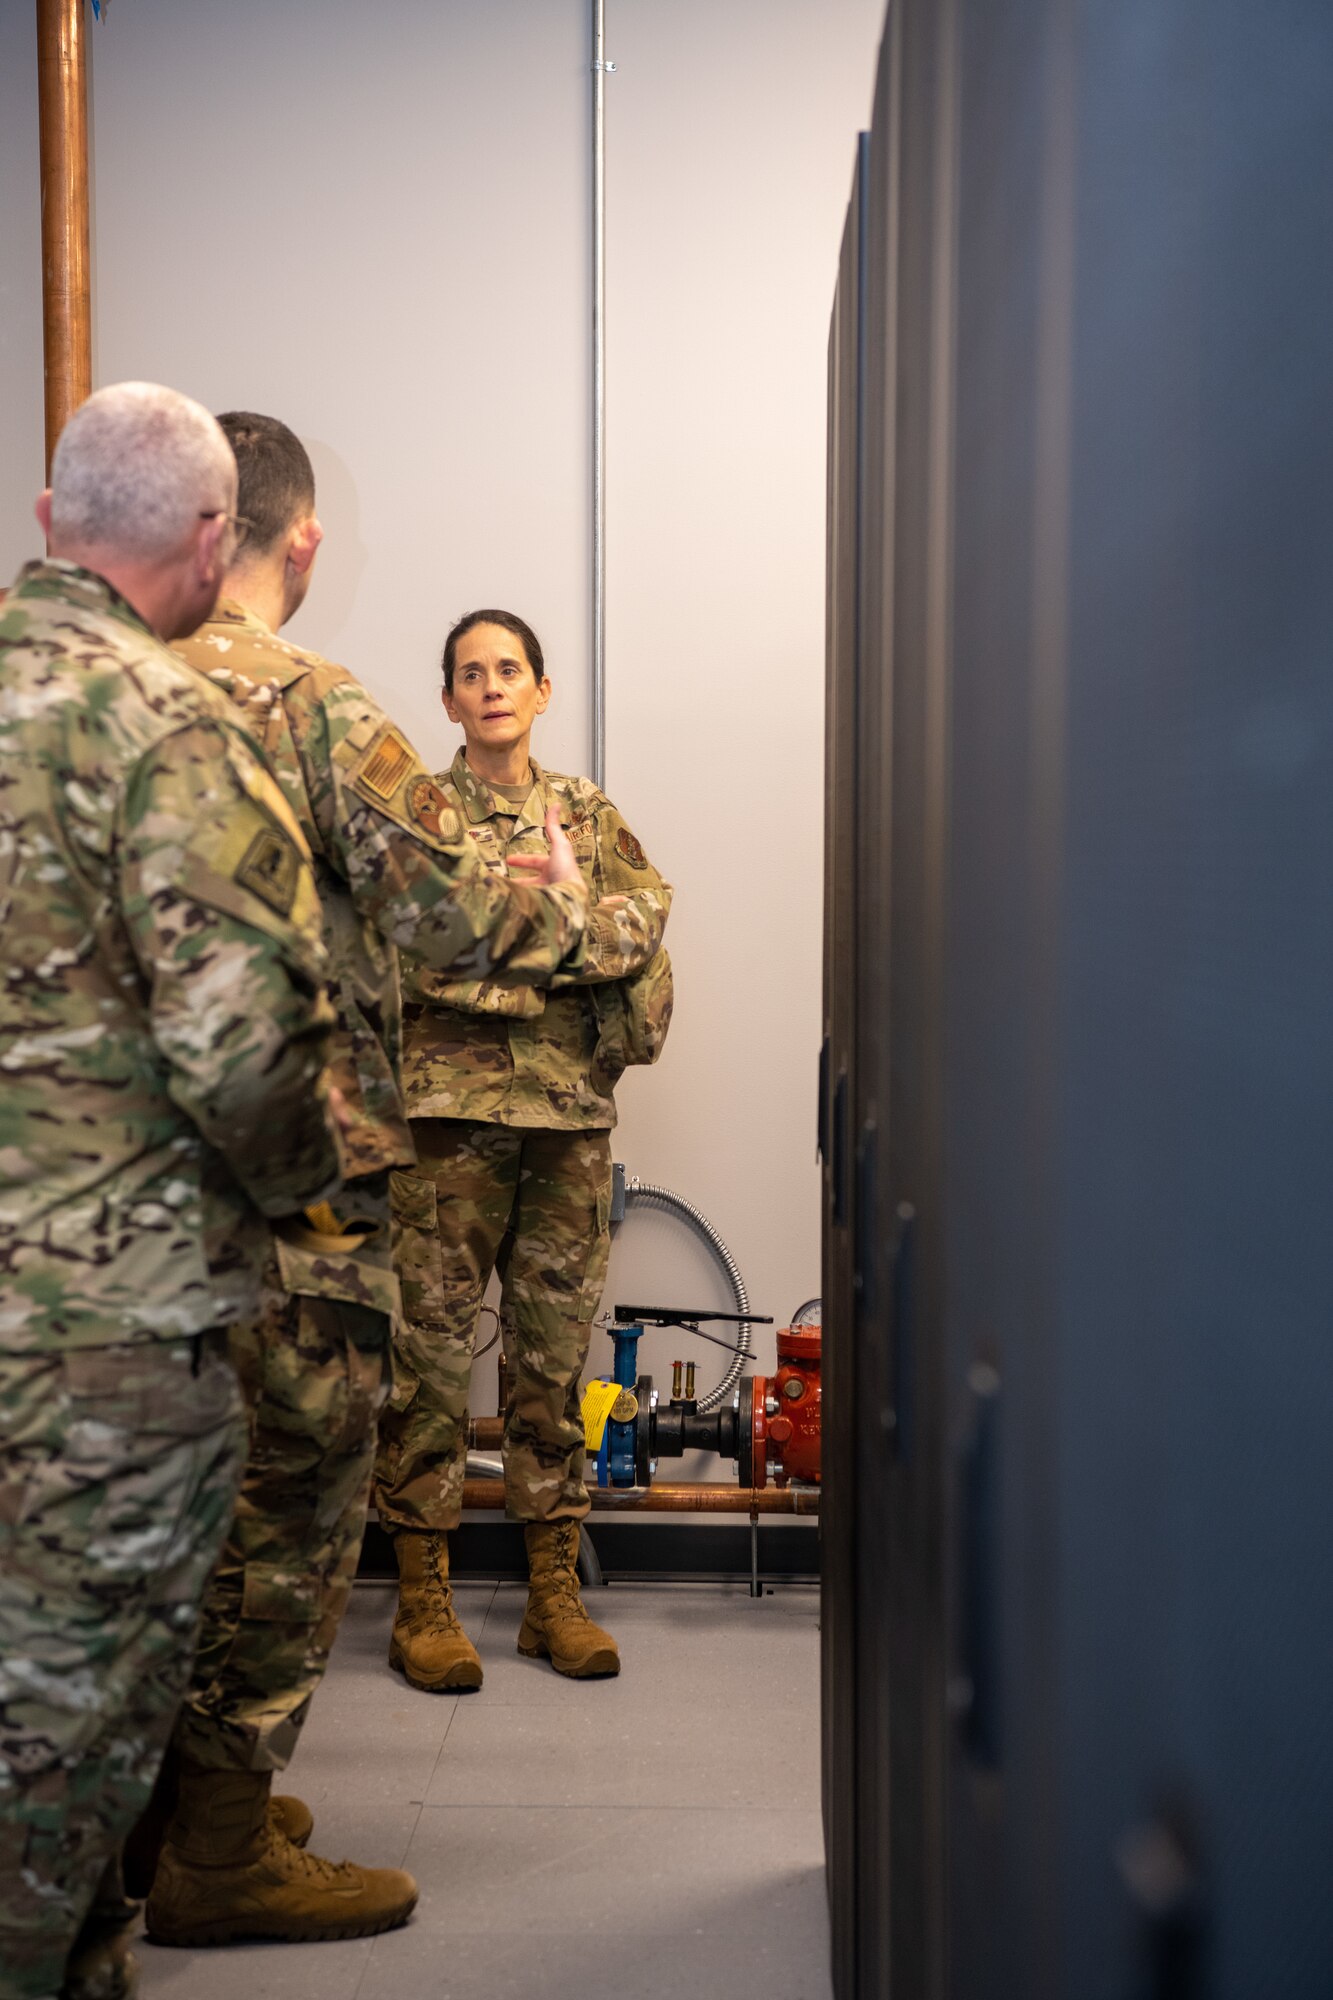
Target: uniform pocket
(406, 1381)
(306, 1390)
(416, 1248)
(288, 1606)
(599, 1254)
(413, 1199)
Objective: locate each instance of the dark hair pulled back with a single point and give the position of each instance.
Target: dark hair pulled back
(521, 630)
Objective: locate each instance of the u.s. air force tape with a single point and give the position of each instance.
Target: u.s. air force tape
(270, 869)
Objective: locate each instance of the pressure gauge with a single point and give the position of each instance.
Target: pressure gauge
(810, 1314)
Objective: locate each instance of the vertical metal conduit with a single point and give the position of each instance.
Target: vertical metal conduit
(601, 69)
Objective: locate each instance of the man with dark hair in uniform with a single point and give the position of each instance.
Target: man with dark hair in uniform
(393, 867)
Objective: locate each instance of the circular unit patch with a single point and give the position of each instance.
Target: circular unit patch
(428, 806)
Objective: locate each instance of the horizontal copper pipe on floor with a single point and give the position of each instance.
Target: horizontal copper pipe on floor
(685, 1499)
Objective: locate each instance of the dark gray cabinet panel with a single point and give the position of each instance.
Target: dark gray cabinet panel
(1079, 988)
(839, 1528)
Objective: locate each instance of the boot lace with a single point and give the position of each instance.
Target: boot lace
(562, 1579)
(311, 1868)
(442, 1618)
(570, 1605)
(439, 1614)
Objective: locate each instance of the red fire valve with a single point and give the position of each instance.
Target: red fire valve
(796, 1386)
(787, 1441)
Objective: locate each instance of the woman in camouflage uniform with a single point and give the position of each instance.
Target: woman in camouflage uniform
(510, 1095)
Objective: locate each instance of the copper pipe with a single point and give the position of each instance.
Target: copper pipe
(62, 98)
(483, 1431)
(684, 1499)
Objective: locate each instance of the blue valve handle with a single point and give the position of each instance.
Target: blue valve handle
(615, 1461)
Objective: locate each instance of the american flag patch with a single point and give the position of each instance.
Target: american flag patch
(384, 768)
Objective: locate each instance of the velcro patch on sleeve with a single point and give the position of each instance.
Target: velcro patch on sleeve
(388, 763)
(428, 806)
(628, 848)
(270, 868)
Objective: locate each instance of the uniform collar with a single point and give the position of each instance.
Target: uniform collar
(70, 583)
(216, 663)
(237, 649)
(480, 802)
(229, 612)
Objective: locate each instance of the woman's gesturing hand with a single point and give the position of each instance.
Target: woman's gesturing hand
(558, 866)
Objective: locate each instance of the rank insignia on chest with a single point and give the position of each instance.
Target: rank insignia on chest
(383, 770)
(628, 848)
(428, 806)
(269, 869)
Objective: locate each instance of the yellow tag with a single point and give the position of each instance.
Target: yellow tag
(322, 1218)
(599, 1398)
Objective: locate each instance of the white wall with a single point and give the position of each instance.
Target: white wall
(373, 222)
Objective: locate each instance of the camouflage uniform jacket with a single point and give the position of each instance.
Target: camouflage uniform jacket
(392, 865)
(163, 1027)
(521, 1055)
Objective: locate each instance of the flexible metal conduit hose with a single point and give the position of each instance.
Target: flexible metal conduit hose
(654, 1196)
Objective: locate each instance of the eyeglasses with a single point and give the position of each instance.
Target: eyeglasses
(239, 522)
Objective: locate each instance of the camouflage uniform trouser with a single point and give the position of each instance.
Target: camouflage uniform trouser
(118, 1473)
(539, 1204)
(315, 1374)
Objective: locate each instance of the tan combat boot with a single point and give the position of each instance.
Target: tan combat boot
(143, 1846)
(428, 1644)
(555, 1624)
(228, 1872)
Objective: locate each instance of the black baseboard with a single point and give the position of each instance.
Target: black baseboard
(788, 1550)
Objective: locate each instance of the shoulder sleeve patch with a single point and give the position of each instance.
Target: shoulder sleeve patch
(387, 765)
(270, 868)
(628, 848)
(427, 805)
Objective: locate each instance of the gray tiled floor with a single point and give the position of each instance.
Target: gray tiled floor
(657, 1835)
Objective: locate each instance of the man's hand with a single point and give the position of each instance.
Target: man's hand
(545, 870)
